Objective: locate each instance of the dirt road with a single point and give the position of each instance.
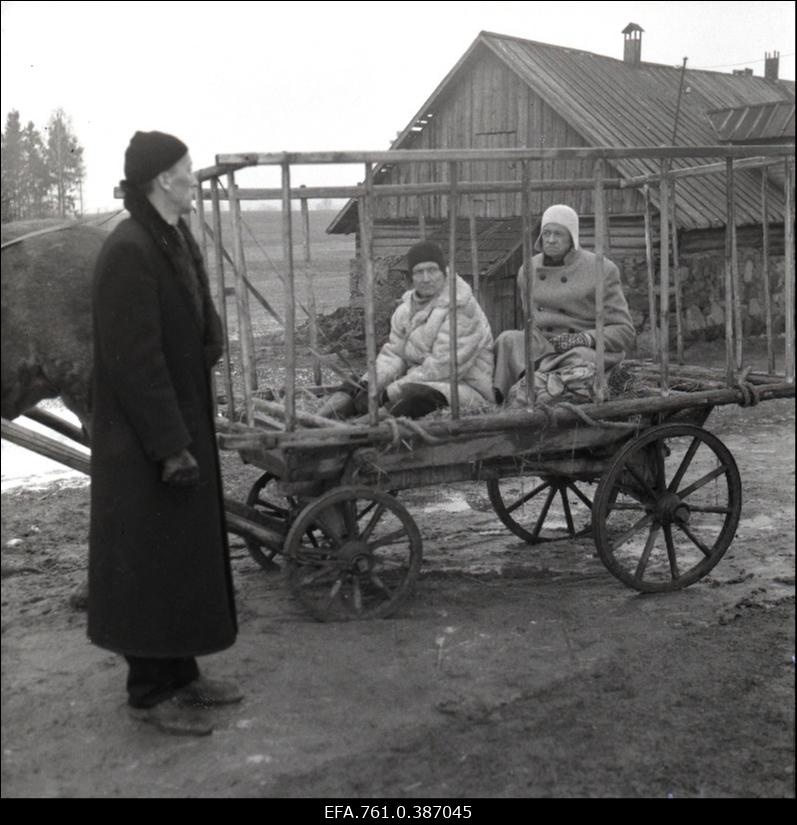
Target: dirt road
(512, 672)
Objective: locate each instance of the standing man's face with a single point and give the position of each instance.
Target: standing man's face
(179, 183)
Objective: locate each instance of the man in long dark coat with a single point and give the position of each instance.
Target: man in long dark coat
(160, 587)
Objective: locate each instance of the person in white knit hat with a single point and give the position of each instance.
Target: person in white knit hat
(564, 298)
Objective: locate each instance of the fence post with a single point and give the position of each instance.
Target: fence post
(676, 279)
(474, 247)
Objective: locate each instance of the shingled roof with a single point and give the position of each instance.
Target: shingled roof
(613, 103)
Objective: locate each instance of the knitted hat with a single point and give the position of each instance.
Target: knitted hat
(563, 215)
(151, 153)
(426, 251)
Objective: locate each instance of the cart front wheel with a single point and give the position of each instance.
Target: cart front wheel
(542, 509)
(264, 498)
(364, 557)
(667, 508)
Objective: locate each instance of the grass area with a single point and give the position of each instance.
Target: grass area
(262, 241)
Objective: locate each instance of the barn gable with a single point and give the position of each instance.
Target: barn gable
(510, 92)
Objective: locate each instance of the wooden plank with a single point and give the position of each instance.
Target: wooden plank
(765, 272)
(474, 248)
(679, 328)
(729, 273)
(289, 284)
(310, 275)
(58, 424)
(452, 286)
(446, 155)
(221, 290)
(664, 264)
(245, 339)
(529, 315)
(651, 271)
(367, 255)
(788, 271)
(601, 389)
(699, 171)
(737, 282)
(48, 447)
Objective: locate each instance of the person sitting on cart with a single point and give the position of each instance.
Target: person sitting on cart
(413, 367)
(564, 296)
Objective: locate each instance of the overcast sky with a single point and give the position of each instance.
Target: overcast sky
(265, 76)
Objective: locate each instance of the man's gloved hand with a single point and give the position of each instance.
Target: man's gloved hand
(180, 470)
(361, 398)
(570, 340)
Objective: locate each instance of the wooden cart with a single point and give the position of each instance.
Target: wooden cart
(659, 494)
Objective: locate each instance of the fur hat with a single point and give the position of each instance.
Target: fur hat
(564, 216)
(149, 154)
(426, 251)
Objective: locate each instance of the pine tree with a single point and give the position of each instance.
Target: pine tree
(11, 168)
(35, 174)
(64, 158)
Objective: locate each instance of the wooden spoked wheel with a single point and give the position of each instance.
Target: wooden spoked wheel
(541, 509)
(353, 553)
(667, 508)
(264, 498)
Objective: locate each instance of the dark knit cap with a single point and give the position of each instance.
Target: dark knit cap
(151, 153)
(426, 251)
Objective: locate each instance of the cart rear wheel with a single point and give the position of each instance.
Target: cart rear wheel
(541, 509)
(366, 557)
(667, 508)
(264, 498)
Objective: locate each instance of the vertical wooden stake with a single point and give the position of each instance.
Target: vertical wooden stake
(737, 283)
(242, 304)
(676, 278)
(664, 240)
(729, 271)
(529, 320)
(765, 271)
(452, 287)
(600, 283)
(366, 213)
(421, 219)
(308, 268)
(788, 267)
(474, 248)
(221, 298)
(290, 299)
(651, 267)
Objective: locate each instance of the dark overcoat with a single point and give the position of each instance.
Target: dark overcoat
(159, 571)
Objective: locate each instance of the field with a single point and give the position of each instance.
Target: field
(263, 251)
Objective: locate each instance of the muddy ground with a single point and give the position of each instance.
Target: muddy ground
(513, 671)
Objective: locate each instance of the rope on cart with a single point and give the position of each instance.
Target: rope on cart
(751, 395)
(596, 422)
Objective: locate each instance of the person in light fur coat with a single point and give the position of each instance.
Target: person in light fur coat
(413, 367)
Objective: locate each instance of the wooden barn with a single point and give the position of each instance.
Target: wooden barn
(506, 92)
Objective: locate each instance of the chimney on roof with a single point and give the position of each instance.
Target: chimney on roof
(743, 72)
(632, 46)
(771, 65)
